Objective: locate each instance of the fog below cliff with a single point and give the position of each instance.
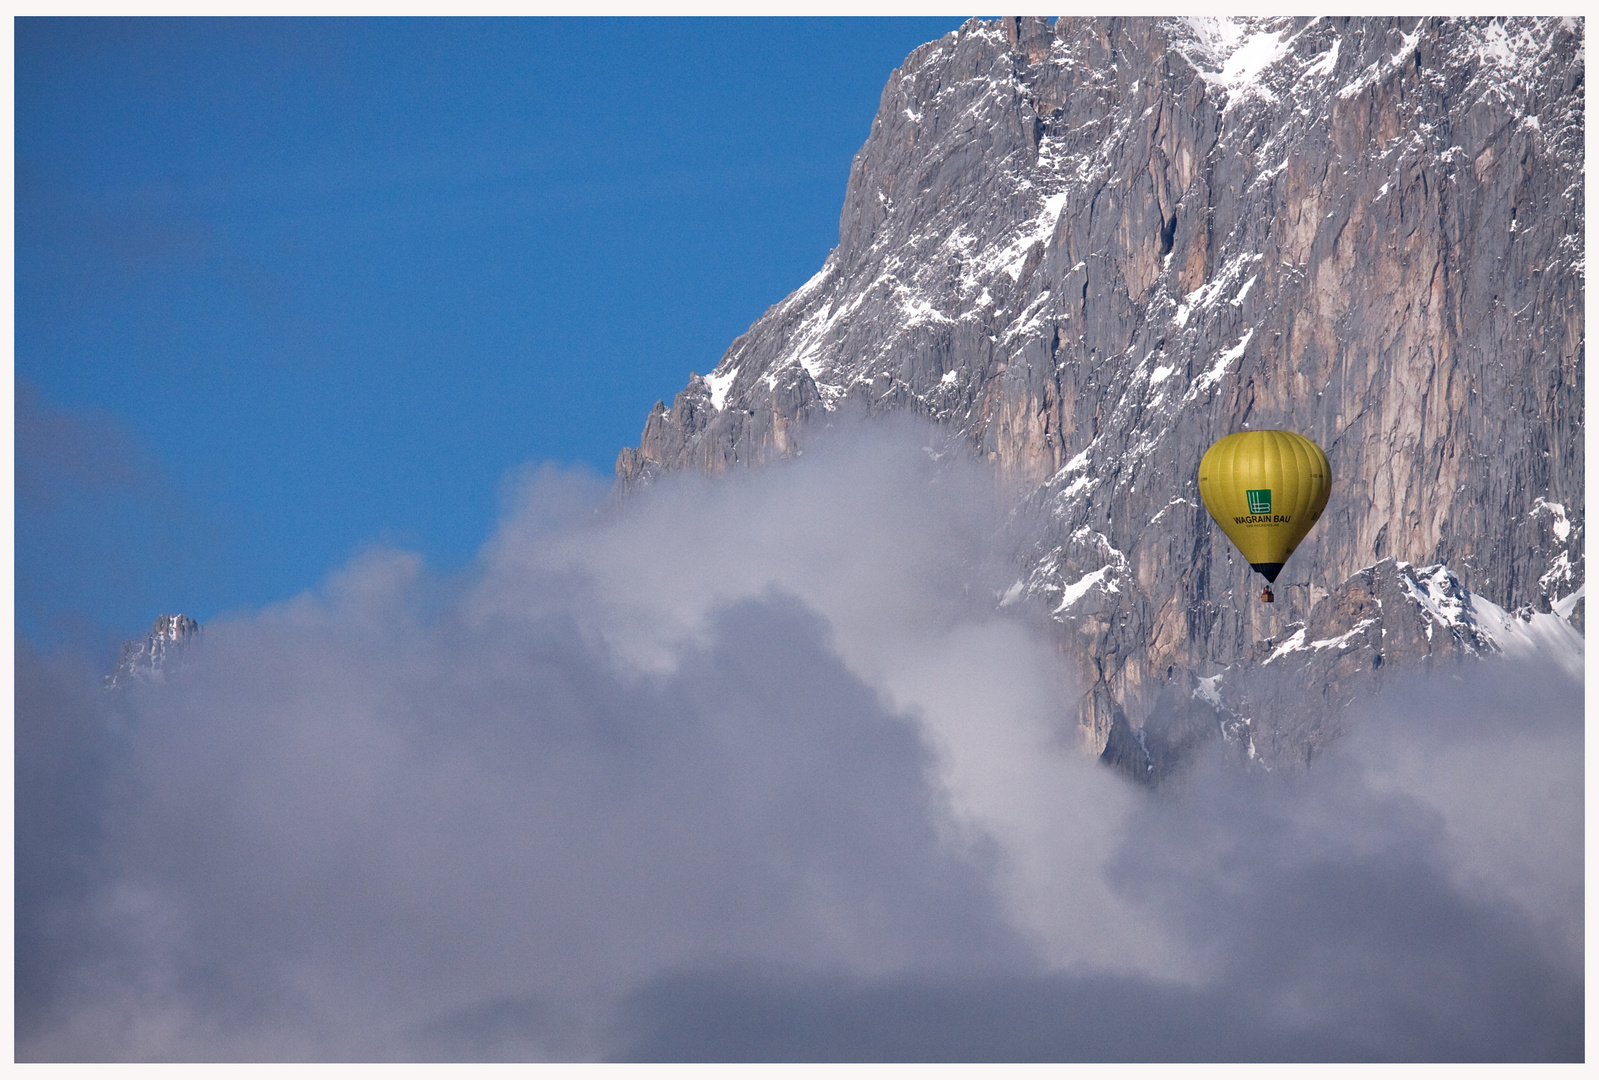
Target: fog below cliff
(754, 768)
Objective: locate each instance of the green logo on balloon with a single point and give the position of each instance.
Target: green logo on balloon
(1259, 501)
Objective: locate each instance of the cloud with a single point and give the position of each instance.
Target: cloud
(1373, 901)
(752, 768)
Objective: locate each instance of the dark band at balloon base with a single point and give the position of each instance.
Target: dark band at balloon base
(1268, 570)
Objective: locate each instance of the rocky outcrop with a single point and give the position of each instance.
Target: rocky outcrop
(152, 657)
(1284, 703)
(1094, 247)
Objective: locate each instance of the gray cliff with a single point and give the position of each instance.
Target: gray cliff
(1094, 247)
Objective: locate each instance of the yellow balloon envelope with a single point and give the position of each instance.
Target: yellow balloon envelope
(1265, 489)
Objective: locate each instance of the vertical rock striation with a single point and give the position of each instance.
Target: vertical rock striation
(1094, 247)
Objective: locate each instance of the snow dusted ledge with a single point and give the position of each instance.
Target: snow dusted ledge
(1434, 614)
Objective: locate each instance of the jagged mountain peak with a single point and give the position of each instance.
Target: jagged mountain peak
(1093, 247)
(154, 656)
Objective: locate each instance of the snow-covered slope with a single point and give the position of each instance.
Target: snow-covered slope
(1095, 247)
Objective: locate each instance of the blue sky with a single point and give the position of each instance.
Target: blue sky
(289, 288)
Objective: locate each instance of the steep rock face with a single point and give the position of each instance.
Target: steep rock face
(1093, 248)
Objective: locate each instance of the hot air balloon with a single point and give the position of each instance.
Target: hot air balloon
(1265, 489)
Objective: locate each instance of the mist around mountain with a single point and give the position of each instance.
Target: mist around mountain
(755, 768)
(902, 706)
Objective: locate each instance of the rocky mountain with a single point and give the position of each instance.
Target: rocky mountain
(152, 657)
(1093, 247)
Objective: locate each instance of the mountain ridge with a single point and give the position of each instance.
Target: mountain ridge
(1093, 247)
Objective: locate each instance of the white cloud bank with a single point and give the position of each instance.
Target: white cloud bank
(753, 769)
